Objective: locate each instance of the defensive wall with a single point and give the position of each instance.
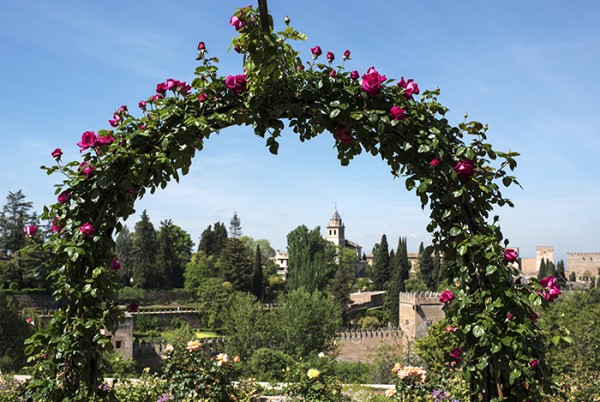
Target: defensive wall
(582, 263)
(362, 345)
(418, 311)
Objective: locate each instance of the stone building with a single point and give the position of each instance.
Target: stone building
(583, 264)
(418, 311)
(531, 266)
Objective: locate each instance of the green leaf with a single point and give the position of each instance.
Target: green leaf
(496, 347)
(334, 113)
(514, 374)
(478, 331)
(556, 339)
(490, 269)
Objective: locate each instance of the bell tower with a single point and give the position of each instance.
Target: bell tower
(335, 230)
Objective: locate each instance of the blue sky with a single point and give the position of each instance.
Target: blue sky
(528, 69)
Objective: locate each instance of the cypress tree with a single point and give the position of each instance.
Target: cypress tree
(426, 267)
(542, 273)
(381, 265)
(560, 273)
(257, 277)
(124, 252)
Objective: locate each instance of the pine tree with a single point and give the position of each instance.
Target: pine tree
(213, 241)
(235, 226)
(381, 265)
(169, 265)
(145, 246)
(257, 277)
(236, 265)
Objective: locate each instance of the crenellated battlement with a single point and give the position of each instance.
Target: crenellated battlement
(362, 333)
(419, 298)
(589, 254)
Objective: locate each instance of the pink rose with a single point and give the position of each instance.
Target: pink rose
(57, 153)
(552, 288)
(236, 83)
(332, 73)
(30, 321)
(354, 75)
(56, 226)
(509, 316)
(64, 197)
(236, 23)
(122, 110)
(170, 83)
(464, 169)
(114, 122)
(30, 230)
(456, 354)
(343, 135)
(346, 54)
(397, 113)
(410, 87)
(87, 229)
(434, 162)
(316, 51)
(201, 47)
(202, 97)
(161, 88)
(300, 67)
(115, 264)
(330, 56)
(157, 97)
(371, 82)
(510, 255)
(533, 363)
(88, 140)
(446, 297)
(142, 104)
(450, 328)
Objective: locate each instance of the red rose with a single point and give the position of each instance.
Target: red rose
(57, 153)
(510, 255)
(87, 229)
(371, 82)
(316, 51)
(465, 169)
(397, 113)
(343, 135)
(434, 162)
(446, 297)
(236, 83)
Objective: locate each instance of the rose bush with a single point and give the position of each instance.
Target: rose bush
(140, 154)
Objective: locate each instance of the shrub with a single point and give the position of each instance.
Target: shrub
(354, 372)
(269, 365)
(146, 323)
(313, 381)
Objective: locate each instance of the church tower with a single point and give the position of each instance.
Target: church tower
(335, 230)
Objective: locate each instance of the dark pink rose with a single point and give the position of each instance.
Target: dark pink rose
(106, 140)
(354, 75)
(202, 97)
(201, 47)
(343, 135)
(115, 264)
(464, 169)
(533, 363)
(87, 229)
(86, 169)
(142, 104)
(509, 316)
(330, 56)
(332, 73)
(30, 230)
(300, 67)
(236, 83)
(57, 153)
(122, 110)
(552, 288)
(64, 197)
(510, 255)
(170, 83)
(434, 162)
(88, 140)
(397, 113)
(456, 354)
(410, 87)
(534, 317)
(56, 226)
(161, 88)
(346, 54)
(157, 97)
(446, 297)
(115, 121)
(236, 23)
(371, 82)
(316, 51)
(30, 321)
(133, 307)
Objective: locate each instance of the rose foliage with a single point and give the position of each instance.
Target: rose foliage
(396, 121)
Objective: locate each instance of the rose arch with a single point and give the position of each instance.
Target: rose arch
(453, 170)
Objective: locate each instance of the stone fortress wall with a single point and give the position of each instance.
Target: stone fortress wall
(418, 311)
(582, 264)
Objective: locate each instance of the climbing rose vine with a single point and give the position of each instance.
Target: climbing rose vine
(453, 170)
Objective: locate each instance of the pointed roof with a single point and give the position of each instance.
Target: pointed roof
(336, 216)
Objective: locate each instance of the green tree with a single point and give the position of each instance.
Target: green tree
(265, 246)
(344, 279)
(402, 258)
(13, 332)
(124, 252)
(167, 261)
(200, 268)
(305, 323)
(213, 240)
(235, 226)
(258, 285)
(395, 287)
(245, 325)
(560, 273)
(311, 259)
(573, 276)
(236, 265)
(381, 264)
(211, 298)
(145, 246)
